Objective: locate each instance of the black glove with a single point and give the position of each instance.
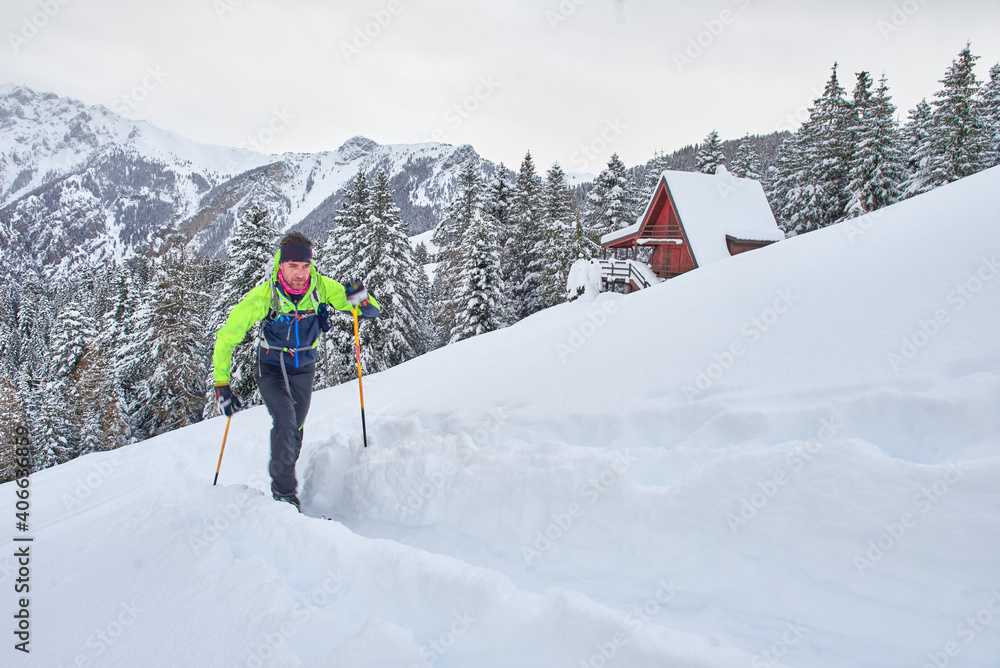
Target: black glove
(355, 292)
(227, 402)
(323, 315)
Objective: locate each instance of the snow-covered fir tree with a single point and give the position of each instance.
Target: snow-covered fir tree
(249, 262)
(990, 107)
(31, 330)
(746, 163)
(370, 244)
(613, 203)
(877, 170)
(345, 242)
(917, 148)
(62, 408)
(558, 249)
(401, 331)
(103, 423)
(344, 259)
(12, 417)
(810, 188)
(171, 331)
(497, 197)
(449, 237)
(957, 145)
(9, 346)
(659, 163)
(461, 210)
(479, 294)
(524, 249)
(118, 335)
(497, 201)
(710, 156)
(421, 255)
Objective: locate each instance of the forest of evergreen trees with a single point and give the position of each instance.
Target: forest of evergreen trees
(122, 353)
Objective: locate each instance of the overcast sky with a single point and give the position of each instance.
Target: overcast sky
(571, 80)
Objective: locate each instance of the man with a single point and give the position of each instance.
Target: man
(292, 305)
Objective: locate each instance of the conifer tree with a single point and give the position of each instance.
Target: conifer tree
(558, 248)
(613, 203)
(746, 164)
(917, 148)
(132, 365)
(249, 262)
(497, 199)
(400, 332)
(461, 210)
(370, 244)
(524, 273)
(877, 171)
(449, 237)
(811, 183)
(958, 139)
(103, 423)
(31, 394)
(710, 156)
(171, 331)
(9, 347)
(12, 416)
(32, 342)
(343, 256)
(496, 209)
(346, 243)
(420, 254)
(480, 290)
(990, 106)
(658, 164)
(63, 408)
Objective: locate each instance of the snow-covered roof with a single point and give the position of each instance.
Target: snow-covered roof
(622, 233)
(711, 206)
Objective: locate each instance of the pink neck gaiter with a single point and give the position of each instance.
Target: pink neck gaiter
(288, 288)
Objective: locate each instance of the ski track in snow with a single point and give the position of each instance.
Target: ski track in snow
(519, 505)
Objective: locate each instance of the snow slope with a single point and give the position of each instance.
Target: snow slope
(785, 458)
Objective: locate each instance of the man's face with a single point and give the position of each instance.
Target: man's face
(295, 274)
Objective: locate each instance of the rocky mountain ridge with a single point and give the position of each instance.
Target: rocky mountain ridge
(81, 183)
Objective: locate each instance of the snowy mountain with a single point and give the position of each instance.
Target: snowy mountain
(81, 182)
(787, 458)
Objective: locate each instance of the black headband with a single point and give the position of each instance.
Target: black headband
(296, 252)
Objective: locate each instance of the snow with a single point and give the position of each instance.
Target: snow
(425, 238)
(574, 179)
(150, 140)
(711, 206)
(790, 458)
(622, 233)
(645, 271)
(584, 278)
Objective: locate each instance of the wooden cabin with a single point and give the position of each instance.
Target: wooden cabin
(694, 219)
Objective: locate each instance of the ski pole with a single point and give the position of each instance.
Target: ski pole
(224, 437)
(357, 350)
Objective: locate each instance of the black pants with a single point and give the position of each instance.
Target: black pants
(287, 418)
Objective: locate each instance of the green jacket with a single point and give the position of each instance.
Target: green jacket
(295, 325)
